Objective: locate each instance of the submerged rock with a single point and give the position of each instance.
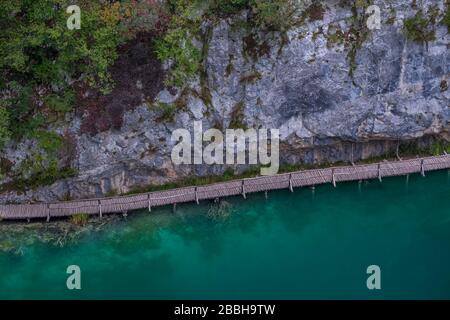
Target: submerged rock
(16, 237)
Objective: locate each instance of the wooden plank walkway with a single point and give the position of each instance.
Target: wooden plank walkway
(219, 190)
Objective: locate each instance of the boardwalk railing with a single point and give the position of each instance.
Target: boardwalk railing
(226, 189)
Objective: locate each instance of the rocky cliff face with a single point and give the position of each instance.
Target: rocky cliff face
(324, 85)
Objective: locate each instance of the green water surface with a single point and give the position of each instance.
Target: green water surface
(303, 245)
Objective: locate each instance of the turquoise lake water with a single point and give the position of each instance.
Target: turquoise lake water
(303, 245)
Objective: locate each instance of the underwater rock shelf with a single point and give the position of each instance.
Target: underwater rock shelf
(122, 204)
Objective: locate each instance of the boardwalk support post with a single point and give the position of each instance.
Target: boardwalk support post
(333, 178)
(379, 172)
(422, 168)
(397, 153)
(291, 186)
(149, 204)
(196, 196)
(100, 208)
(48, 213)
(174, 208)
(243, 189)
(352, 159)
(266, 195)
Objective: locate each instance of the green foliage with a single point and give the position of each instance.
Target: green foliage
(177, 47)
(4, 126)
(41, 59)
(275, 15)
(227, 7)
(36, 44)
(440, 147)
(48, 141)
(43, 174)
(419, 28)
(446, 19)
(60, 103)
(79, 219)
(41, 168)
(167, 111)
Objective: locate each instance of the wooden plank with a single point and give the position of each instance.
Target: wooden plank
(312, 177)
(23, 211)
(124, 204)
(360, 172)
(219, 190)
(437, 163)
(266, 183)
(161, 198)
(68, 208)
(400, 168)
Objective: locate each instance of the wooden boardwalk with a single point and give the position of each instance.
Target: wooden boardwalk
(219, 190)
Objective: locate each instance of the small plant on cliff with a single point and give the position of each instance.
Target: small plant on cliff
(228, 7)
(4, 126)
(419, 28)
(446, 19)
(276, 15)
(178, 48)
(166, 110)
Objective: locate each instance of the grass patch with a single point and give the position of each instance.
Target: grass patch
(167, 111)
(79, 219)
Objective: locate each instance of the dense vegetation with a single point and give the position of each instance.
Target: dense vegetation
(45, 68)
(41, 59)
(43, 64)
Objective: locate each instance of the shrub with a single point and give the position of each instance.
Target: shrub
(43, 173)
(419, 28)
(167, 111)
(79, 219)
(446, 19)
(440, 147)
(276, 15)
(60, 103)
(48, 141)
(177, 47)
(227, 7)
